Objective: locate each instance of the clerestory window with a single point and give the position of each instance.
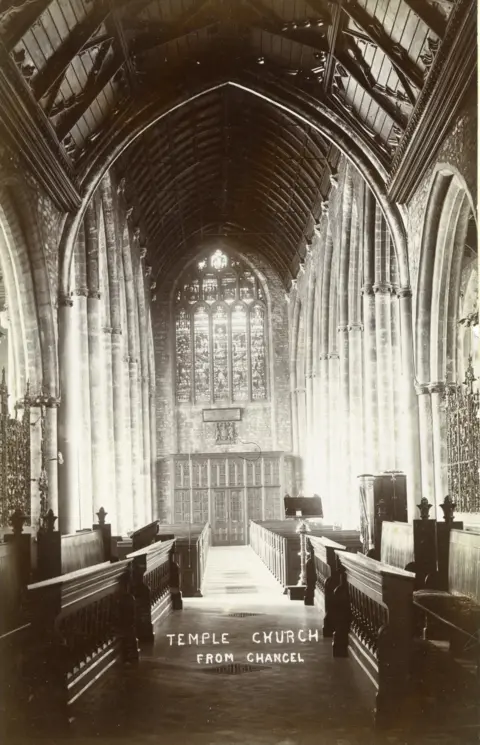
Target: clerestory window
(220, 325)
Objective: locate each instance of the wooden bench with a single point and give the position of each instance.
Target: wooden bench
(192, 543)
(410, 546)
(373, 619)
(145, 536)
(457, 607)
(81, 624)
(155, 586)
(282, 554)
(323, 578)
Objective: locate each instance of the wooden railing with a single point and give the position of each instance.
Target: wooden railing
(192, 543)
(155, 586)
(374, 620)
(81, 624)
(145, 535)
(272, 550)
(323, 578)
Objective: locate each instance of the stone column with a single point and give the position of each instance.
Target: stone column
(336, 458)
(440, 456)
(426, 444)
(85, 445)
(369, 336)
(397, 384)
(382, 292)
(51, 452)
(121, 489)
(411, 424)
(153, 421)
(355, 333)
(68, 423)
(145, 397)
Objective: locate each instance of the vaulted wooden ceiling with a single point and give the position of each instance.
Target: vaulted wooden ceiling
(224, 159)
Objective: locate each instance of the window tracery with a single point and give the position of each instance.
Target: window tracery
(220, 332)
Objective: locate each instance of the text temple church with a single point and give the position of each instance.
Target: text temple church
(239, 371)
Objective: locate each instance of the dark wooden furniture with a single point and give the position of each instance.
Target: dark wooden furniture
(155, 586)
(382, 497)
(306, 506)
(323, 578)
(62, 554)
(457, 607)
(145, 536)
(192, 543)
(373, 620)
(81, 624)
(410, 546)
(278, 545)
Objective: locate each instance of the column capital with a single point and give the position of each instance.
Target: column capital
(355, 326)
(421, 389)
(437, 387)
(81, 292)
(94, 294)
(117, 330)
(333, 356)
(65, 301)
(342, 328)
(107, 330)
(367, 289)
(323, 357)
(382, 288)
(404, 292)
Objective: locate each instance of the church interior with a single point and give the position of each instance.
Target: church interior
(239, 357)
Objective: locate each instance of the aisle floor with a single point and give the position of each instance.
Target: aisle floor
(172, 696)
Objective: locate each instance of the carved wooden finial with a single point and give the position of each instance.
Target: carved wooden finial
(49, 521)
(17, 521)
(448, 508)
(424, 508)
(101, 514)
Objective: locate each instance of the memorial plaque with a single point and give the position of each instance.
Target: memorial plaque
(222, 415)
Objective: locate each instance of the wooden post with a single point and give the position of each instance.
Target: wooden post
(49, 548)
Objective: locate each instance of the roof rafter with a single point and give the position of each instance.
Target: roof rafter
(22, 18)
(93, 88)
(429, 15)
(66, 52)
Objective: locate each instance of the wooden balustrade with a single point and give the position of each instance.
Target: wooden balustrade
(272, 550)
(192, 543)
(373, 618)
(81, 624)
(155, 586)
(323, 578)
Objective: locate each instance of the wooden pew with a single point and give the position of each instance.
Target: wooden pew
(81, 623)
(457, 607)
(145, 536)
(59, 554)
(410, 546)
(282, 556)
(373, 619)
(192, 543)
(155, 586)
(323, 578)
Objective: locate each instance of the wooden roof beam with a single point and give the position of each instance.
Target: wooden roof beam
(269, 22)
(66, 52)
(21, 19)
(429, 15)
(93, 88)
(405, 68)
(381, 100)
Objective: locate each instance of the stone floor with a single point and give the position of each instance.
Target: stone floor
(173, 697)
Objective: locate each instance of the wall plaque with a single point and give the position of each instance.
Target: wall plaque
(222, 415)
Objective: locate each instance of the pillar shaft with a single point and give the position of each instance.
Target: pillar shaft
(370, 383)
(426, 445)
(51, 455)
(68, 506)
(145, 398)
(85, 444)
(117, 353)
(412, 430)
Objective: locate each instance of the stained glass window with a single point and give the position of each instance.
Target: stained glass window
(201, 329)
(220, 320)
(239, 353)
(220, 354)
(184, 356)
(257, 341)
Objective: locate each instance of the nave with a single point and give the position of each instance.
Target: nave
(168, 697)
